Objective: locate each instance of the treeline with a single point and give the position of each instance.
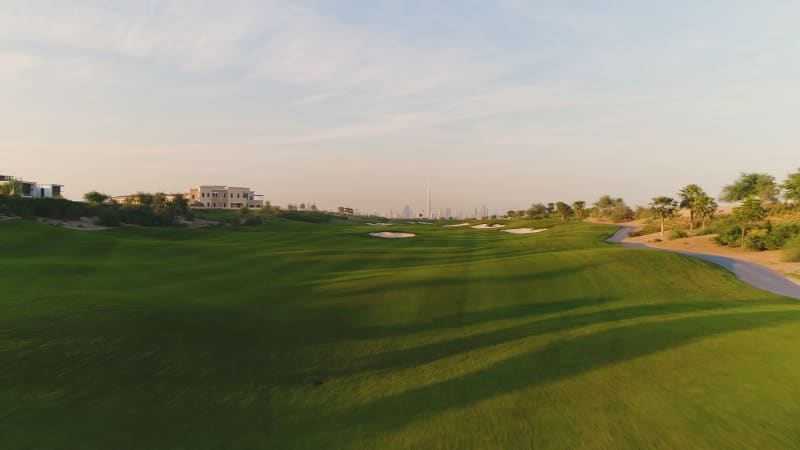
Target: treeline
(606, 207)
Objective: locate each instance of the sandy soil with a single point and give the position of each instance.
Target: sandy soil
(770, 259)
(84, 224)
(392, 235)
(484, 226)
(465, 224)
(524, 230)
(4, 217)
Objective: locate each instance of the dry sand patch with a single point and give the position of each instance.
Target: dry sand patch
(524, 230)
(484, 226)
(392, 235)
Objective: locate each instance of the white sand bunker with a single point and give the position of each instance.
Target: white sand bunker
(465, 224)
(524, 230)
(484, 226)
(380, 224)
(392, 235)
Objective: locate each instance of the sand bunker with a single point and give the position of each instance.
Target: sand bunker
(484, 226)
(524, 230)
(379, 224)
(465, 224)
(392, 235)
(85, 224)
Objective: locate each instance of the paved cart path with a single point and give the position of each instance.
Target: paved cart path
(750, 273)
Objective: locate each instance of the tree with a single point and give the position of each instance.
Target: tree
(706, 208)
(95, 198)
(749, 212)
(664, 208)
(266, 209)
(759, 185)
(243, 212)
(536, 211)
(689, 195)
(11, 188)
(613, 208)
(511, 214)
(143, 199)
(181, 205)
(314, 207)
(302, 206)
(551, 208)
(564, 210)
(579, 206)
(605, 202)
(791, 187)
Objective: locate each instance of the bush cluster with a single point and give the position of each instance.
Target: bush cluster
(53, 208)
(762, 237)
(791, 249)
(163, 215)
(677, 233)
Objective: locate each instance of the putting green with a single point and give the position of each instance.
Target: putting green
(298, 335)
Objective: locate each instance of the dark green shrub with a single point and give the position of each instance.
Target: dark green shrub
(306, 216)
(791, 249)
(756, 239)
(108, 217)
(779, 234)
(252, 220)
(705, 232)
(677, 233)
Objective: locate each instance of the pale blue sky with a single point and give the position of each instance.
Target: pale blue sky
(501, 102)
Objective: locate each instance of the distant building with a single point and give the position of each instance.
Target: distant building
(225, 197)
(133, 199)
(32, 189)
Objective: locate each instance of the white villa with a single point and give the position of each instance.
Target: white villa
(32, 189)
(225, 197)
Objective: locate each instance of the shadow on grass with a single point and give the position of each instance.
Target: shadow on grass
(420, 355)
(440, 281)
(561, 360)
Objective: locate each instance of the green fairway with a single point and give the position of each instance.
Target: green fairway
(302, 335)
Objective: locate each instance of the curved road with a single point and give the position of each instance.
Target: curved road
(752, 274)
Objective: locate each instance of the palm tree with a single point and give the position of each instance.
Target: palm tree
(706, 208)
(689, 196)
(664, 208)
(579, 206)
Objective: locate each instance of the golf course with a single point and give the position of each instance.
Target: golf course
(291, 334)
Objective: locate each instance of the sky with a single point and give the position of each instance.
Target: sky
(357, 103)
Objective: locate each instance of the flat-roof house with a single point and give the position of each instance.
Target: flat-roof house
(32, 189)
(224, 197)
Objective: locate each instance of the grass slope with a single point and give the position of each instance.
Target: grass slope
(298, 335)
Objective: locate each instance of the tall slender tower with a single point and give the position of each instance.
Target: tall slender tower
(428, 209)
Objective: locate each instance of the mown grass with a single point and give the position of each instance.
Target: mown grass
(301, 335)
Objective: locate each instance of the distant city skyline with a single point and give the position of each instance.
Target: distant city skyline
(502, 103)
